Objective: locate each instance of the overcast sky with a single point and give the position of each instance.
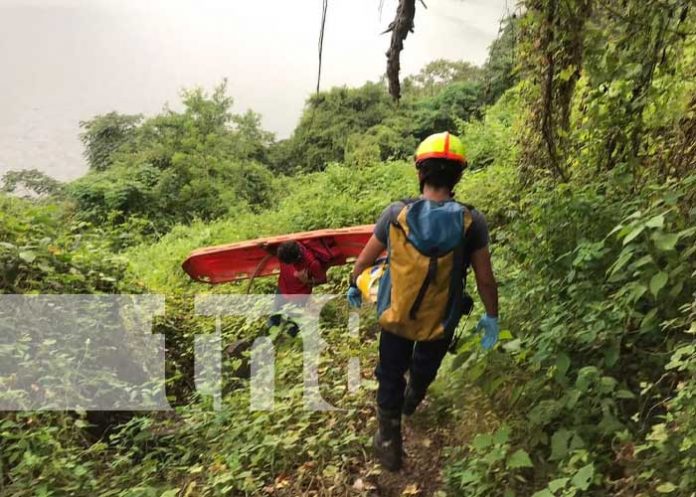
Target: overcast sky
(62, 61)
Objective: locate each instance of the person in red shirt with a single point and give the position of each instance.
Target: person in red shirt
(300, 272)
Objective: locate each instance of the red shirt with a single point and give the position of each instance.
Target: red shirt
(289, 284)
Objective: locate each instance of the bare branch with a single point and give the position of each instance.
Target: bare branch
(400, 28)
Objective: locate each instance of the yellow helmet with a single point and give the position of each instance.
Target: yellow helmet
(441, 146)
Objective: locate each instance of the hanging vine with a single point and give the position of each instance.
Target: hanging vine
(618, 49)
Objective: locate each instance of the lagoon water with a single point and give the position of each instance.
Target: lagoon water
(63, 61)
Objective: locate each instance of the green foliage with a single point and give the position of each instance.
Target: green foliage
(491, 140)
(603, 316)
(362, 125)
(43, 250)
(234, 451)
(439, 75)
(30, 183)
(601, 89)
(456, 103)
(489, 464)
(500, 70)
(597, 271)
(104, 135)
(176, 167)
(581, 170)
(329, 118)
(382, 142)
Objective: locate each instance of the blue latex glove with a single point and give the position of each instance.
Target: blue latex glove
(354, 296)
(490, 328)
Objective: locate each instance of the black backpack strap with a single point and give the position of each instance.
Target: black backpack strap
(468, 212)
(429, 278)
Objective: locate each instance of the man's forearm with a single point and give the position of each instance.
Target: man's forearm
(367, 257)
(360, 266)
(489, 295)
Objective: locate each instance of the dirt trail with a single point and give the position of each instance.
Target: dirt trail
(426, 434)
(422, 472)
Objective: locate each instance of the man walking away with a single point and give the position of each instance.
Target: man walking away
(431, 242)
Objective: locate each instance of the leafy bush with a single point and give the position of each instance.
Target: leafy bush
(602, 313)
(176, 167)
(44, 250)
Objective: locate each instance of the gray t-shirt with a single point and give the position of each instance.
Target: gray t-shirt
(477, 237)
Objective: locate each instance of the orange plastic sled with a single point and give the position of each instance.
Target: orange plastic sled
(243, 260)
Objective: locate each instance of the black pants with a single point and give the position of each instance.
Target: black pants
(398, 355)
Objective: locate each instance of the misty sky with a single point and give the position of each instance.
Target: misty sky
(62, 61)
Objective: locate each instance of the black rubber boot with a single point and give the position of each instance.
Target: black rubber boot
(292, 328)
(387, 443)
(411, 400)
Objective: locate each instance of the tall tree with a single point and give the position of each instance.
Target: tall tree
(104, 135)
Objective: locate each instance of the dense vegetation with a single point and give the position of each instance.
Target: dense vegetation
(581, 132)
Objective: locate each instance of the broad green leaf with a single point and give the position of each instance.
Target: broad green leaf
(543, 493)
(648, 320)
(583, 478)
(611, 354)
(513, 345)
(468, 476)
(692, 329)
(520, 459)
(170, 493)
(658, 433)
(607, 384)
(616, 228)
(502, 435)
(665, 241)
(559, 444)
(656, 222)
(642, 261)
(637, 290)
(482, 441)
(625, 256)
(80, 471)
(27, 256)
(687, 232)
(562, 364)
(676, 289)
(505, 335)
(635, 215)
(657, 282)
(586, 376)
(557, 484)
(496, 454)
(634, 234)
(666, 488)
(625, 394)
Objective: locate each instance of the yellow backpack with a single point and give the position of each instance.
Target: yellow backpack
(420, 295)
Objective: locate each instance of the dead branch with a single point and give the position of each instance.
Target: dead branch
(400, 28)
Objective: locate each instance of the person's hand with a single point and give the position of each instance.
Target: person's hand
(354, 296)
(490, 328)
(302, 276)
